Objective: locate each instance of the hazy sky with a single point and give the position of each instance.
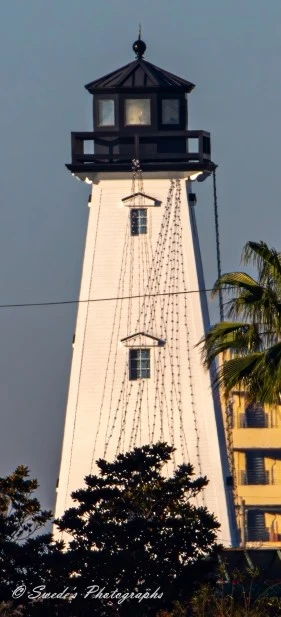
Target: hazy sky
(49, 49)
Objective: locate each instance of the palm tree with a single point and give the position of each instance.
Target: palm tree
(252, 339)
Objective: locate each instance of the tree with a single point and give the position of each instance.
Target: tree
(24, 559)
(138, 532)
(244, 596)
(8, 609)
(253, 336)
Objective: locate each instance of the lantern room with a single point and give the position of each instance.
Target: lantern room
(140, 112)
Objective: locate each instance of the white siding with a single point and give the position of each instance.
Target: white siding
(106, 412)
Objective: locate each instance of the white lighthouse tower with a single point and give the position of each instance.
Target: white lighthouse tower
(136, 375)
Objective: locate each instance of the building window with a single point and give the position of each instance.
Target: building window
(255, 417)
(106, 112)
(137, 111)
(256, 530)
(138, 221)
(139, 363)
(170, 111)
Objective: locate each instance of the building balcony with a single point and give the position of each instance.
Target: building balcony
(261, 489)
(260, 421)
(266, 536)
(251, 477)
(261, 438)
(170, 150)
(259, 535)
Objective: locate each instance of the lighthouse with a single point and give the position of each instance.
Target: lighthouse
(136, 375)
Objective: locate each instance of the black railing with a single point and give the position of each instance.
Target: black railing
(267, 420)
(252, 477)
(112, 147)
(253, 534)
(260, 421)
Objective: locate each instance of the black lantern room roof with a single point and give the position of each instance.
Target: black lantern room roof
(139, 74)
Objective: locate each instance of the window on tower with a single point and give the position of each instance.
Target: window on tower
(170, 111)
(106, 112)
(137, 111)
(138, 221)
(139, 363)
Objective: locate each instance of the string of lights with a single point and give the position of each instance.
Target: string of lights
(168, 320)
(176, 300)
(82, 360)
(117, 412)
(113, 356)
(136, 437)
(161, 281)
(121, 283)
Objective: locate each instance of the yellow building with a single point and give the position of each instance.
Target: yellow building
(253, 435)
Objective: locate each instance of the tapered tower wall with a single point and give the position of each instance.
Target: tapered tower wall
(149, 284)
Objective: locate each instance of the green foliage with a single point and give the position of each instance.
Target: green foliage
(20, 513)
(22, 558)
(253, 336)
(135, 530)
(240, 598)
(179, 610)
(8, 609)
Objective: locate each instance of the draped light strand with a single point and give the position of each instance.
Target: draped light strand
(177, 256)
(189, 362)
(116, 320)
(125, 392)
(163, 251)
(114, 367)
(82, 357)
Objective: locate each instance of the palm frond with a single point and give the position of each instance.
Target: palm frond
(258, 373)
(271, 375)
(236, 337)
(232, 281)
(267, 261)
(253, 333)
(251, 301)
(262, 307)
(238, 372)
(273, 357)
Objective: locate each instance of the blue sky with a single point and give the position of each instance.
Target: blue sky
(49, 50)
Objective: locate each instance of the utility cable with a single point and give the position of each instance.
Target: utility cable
(61, 302)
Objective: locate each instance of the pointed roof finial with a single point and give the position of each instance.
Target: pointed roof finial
(139, 46)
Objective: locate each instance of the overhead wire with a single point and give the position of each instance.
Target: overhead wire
(113, 298)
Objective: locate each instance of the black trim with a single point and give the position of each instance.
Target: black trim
(99, 127)
(207, 167)
(152, 148)
(139, 74)
(154, 338)
(182, 112)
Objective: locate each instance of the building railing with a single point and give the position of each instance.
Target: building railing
(252, 477)
(245, 422)
(259, 535)
(265, 421)
(198, 147)
(262, 535)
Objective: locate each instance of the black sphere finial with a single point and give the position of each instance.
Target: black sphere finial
(139, 46)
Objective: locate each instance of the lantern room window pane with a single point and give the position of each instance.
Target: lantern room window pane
(106, 112)
(138, 221)
(137, 111)
(139, 363)
(170, 111)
